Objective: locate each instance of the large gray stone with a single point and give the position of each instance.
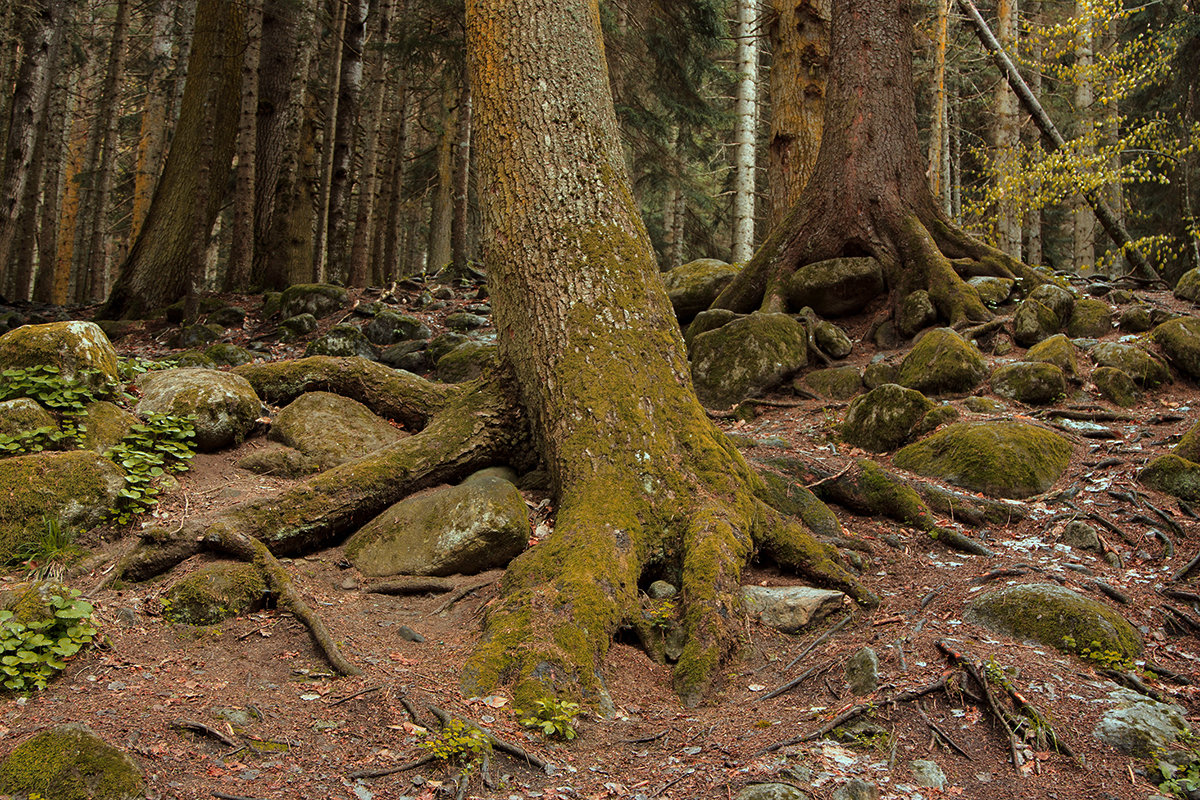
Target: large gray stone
(1180, 342)
(1188, 287)
(318, 299)
(771, 791)
(942, 363)
(1139, 726)
(791, 608)
(465, 362)
(746, 356)
(1042, 314)
(927, 773)
(693, 287)
(838, 287)
(478, 525)
(1145, 369)
(862, 672)
(390, 327)
(345, 341)
(71, 347)
(330, 429)
(884, 418)
(23, 415)
(224, 404)
(856, 789)
(1032, 382)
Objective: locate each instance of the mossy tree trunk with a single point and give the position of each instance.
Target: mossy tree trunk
(647, 487)
(868, 194)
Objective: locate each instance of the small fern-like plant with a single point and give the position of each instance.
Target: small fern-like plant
(459, 743)
(554, 718)
(163, 444)
(32, 653)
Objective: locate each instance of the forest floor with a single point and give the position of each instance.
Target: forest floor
(295, 731)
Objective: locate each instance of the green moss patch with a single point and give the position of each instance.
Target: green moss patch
(70, 762)
(884, 418)
(214, 593)
(1032, 382)
(1180, 342)
(746, 356)
(1003, 459)
(942, 362)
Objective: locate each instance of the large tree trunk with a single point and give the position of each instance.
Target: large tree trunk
(241, 252)
(939, 129)
(370, 180)
(152, 138)
(1007, 135)
(745, 130)
(646, 485)
(342, 175)
(868, 194)
(1083, 221)
(158, 268)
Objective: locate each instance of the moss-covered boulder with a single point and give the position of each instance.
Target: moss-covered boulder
(1059, 351)
(1140, 726)
(747, 356)
(443, 343)
(297, 327)
(1170, 474)
(107, 425)
(1030, 382)
(1058, 617)
(1147, 370)
(478, 525)
(1090, 319)
(225, 405)
(70, 762)
(74, 488)
(331, 429)
(345, 341)
(285, 462)
(993, 291)
(942, 363)
(1135, 319)
(215, 593)
(72, 347)
(833, 341)
(1116, 386)
(834, 383)
(464, 321)
(884, 418)
(838, 287)
(23, 415)
(228, 355)
(939, 415)
(390, 327)
(1042, 314)
(412, 356)
(189, 358)
(706, 321)
(192, 337)
(1002, 459)
(318, 299)
(465, 362)
(1188, 287)
(692, 287)
(1180, 342)
(916, 313)
(879, 372)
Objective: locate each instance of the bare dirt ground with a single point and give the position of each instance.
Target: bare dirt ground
(295, 731)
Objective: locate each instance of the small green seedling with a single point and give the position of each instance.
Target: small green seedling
(554, 717)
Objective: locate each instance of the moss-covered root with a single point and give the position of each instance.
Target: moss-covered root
(924, 263)
(397, 395)
(278, 581)
(560, 604)
(987, 260)
(714, 552)
(791, 546)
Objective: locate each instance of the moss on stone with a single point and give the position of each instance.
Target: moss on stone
(70, 763)
(214, 593)
(1173, 475)
(1188, 287)
(1031, 382)
(884, 418)
(73, 347)
(1180, 342)
(1116, 386)
(834, 383)
(23, 415)
(224, 405)
(1059, 351)
(693, 287)
(941, 363)
(1058, 617)
(318, 299)
(1145, 369)
(1005, 459)
(286, 462)
(107, 425)
(1090, 319)
(746, 356)
(465, 362)
(228, 355)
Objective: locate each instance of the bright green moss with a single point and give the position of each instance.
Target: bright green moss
(214, 593)
(70, 763)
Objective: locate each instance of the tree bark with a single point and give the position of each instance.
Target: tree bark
(441, 207)
(333, 97)
(1006, 136)
(799, 36)
(152, 138)
(241, 252)
(370, 178)
(745, 130)
(1083, 221)
(159, 267)
(939, 130)
(645, 483)
(868, 194)
(460, 219)
(342, 174)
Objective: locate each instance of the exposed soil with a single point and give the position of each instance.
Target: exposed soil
(300, 732)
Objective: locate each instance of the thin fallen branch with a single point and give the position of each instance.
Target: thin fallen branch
(459, 595)
(820, 640)
(792, 684)
(1186, 569)
(379, 773)
(412, 584)
(947, 738)
(350, 697)
(205, 730)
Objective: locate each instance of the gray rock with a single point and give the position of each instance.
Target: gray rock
(390, 327)
(661, 590)
(693, 287)
(915, 314)
(838, 287)
(1146, 370)
(228, 317)
(224, 404)
(23, 415)
(72, 347)
(878, 373)
(862, 672)
(1090, 319)
(1042, 314)
(70, 762)
(296, 327)
(791, 609)
(856, 789)
(107, 424)
(942, 363)
(465, 362)
(195, 336)
(833, 383)
(771, 791)
(1139, 726)
(832, 340)
(1081, 536)
(1059, 351)
(747, 356)
(927, 773)
(884, 418)
(1135, 319)
(1180, 342)
(409, 635)
(466, 321)
(411, 356)
(1188, 287)
(318, 299)
(463, 529)
(706, 321)
(228, 355)
(286, 462)
(330, 429)
(993, 291)
(343, 341)
(1116, 386)
(1031, 382)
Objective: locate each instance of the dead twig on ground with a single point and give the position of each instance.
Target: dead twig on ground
(405, 767)
(412, 584)
(205, 730)
(350, 697)
(819, 640)
(945, 737)
(459, 595)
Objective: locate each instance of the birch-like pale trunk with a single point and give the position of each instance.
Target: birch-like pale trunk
(745, 131)
(1083, 221)
(1006, 135)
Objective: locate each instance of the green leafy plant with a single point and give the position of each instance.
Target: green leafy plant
(31, 653)
(162, 444)
(660, 614)
(47, 385)
(47, 554)
(554, 717)
(459, 743)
